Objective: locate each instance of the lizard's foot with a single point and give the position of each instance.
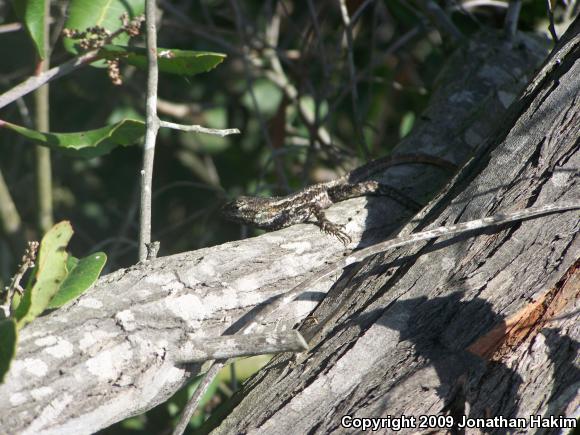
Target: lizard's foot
(335, 230)
(330, 228)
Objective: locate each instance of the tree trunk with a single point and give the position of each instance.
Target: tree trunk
(480, 326)
(400, 323)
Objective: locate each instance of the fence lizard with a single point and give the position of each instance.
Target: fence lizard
(279, 212)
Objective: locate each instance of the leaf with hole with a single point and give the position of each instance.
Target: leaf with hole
(82, 274)
(172, 61)
(50, 273)
(86, 144)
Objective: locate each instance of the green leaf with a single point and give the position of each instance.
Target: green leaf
(86, 144)
(172, 61)
(82, 275)
(83, 14)
(51, 272)
(406, 124)
(8, 338)
(31, 13)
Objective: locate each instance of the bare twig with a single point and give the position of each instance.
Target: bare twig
(34, 82)
(193, 402)
(10, 27)
(480, 3)
(27, 262)
(352, 72)
(440, 20)
(177, 110)
(234, 346)
(511, 18)
(199, 129)
(152, 122)
(551, 26)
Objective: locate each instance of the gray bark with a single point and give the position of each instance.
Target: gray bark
(481, 326)
(111, 354)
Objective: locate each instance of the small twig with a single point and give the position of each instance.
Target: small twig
(27, 262)
(152, 122)
(10, 27)
(479, 3)
(234, 346)
(193, 402)
(440, 20)
(551, 26)
(34, 82)
(353, 83)
(199, 129)
(511, 19)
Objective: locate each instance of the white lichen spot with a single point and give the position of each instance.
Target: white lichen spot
(41, 393)
(49, 340)
(126, 319)
(247, 283)
(560, 178)
(173, 286)
(174, 374)
(108, 365)
(62, 349)
(32, 366)
(93, 337)
(17, 399)
(207, 269)
(160, 278)
(90, 303)
(187, 307)
(297, 247)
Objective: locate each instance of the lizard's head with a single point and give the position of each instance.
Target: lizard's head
(242, 209)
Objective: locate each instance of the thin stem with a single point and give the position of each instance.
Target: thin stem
(152, 123)
(199, 129)
(36, 81)
(551, 26)
(193, 403)
(42, 123)
(440, 20)
(353, 84)
(511, 18)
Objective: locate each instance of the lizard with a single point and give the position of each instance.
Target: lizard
(273, 213)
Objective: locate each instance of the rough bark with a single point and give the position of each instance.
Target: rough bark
(110, 354)
(482, 326)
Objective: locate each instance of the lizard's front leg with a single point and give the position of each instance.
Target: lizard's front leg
(328, 227)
